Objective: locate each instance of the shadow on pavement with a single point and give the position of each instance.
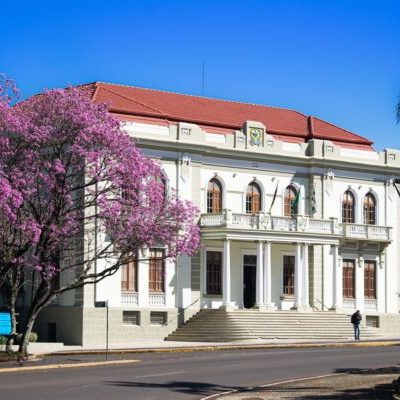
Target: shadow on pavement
(187, 387)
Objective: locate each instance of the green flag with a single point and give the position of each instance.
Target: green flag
(295, 203)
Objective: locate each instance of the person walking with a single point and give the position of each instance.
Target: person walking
(356, 320)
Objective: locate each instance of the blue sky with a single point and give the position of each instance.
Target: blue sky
(335, 59)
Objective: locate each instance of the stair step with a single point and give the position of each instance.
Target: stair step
(219, 326)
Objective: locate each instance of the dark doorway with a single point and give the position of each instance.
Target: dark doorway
(249, 281)
(52, 332)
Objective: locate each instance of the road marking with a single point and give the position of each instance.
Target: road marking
(215, 396)
(166, 373)
(61, 366)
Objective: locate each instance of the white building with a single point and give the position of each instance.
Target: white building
(297, 214)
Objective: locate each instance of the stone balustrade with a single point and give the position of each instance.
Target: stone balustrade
(301, 224)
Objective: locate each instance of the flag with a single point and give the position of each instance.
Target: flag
(313, 201)
(295, 203)
(274, 198)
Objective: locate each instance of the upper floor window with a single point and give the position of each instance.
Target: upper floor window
(369, 209)
(291, 201)
(214, 196)
(348, 207)
(253, 198)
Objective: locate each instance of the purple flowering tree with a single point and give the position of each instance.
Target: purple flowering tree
(74, 189)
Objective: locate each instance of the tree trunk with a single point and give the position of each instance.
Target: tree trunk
(23, 346)
(14, 282)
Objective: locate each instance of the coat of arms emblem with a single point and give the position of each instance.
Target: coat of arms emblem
(256, 136)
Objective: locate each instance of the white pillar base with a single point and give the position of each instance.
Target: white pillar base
(228, 307)
(265, 308)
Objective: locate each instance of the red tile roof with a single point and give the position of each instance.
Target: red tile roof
(284, 124)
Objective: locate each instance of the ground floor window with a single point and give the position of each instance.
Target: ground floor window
(370, 279)
(288, 275)
(214, 272)
(157, 270)
(129, 275)
(349, 279)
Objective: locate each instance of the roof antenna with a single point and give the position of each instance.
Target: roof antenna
(202, 82)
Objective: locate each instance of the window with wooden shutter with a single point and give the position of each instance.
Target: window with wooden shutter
(214, 196)
(348, 215)
(253, 198)
(290, 209)
(370, 279)
(369, 209)
(129, 275)
(157, 271)
(348, 279)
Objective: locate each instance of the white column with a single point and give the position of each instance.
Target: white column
(226, 274)
(267, 276)
(143, 278)
(297, 278)
(259, 275)
(336, 279)
(306, 291)
(360, 284)
(380, 283)
(334, 276)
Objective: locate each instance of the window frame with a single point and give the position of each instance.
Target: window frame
(213, 281)
(288, 276)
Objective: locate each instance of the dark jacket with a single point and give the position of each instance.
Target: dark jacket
(356, 318)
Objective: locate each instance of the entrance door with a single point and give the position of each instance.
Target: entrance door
(249, 280)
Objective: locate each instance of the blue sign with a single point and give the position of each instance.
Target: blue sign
(5, 323)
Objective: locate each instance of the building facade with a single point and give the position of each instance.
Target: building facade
(296, 214)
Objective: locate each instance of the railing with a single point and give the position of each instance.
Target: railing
(211, 219)
(129, 299)
(283, 224)
(263, 221)
(366, 231)
(321, 225)
(349, 304)
(157, 299)
(370, 305)
(247, 220)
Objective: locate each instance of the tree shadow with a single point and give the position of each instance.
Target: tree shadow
(187, 387)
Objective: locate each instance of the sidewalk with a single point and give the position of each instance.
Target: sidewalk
(165, 346)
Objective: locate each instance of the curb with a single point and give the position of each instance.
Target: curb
(58, 366)
(225, 348)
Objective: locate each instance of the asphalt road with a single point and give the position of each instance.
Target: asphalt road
(168, 376)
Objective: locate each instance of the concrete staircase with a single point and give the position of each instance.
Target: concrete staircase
(222, 326)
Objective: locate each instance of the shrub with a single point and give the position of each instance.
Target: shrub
(33, 337)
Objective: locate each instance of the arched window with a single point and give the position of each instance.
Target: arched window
(369, 209)
(348, 207)
(253, 198)
(214, 196)
(291, 201)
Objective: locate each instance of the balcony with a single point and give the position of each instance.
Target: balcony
(366, 232)
(299, 224)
